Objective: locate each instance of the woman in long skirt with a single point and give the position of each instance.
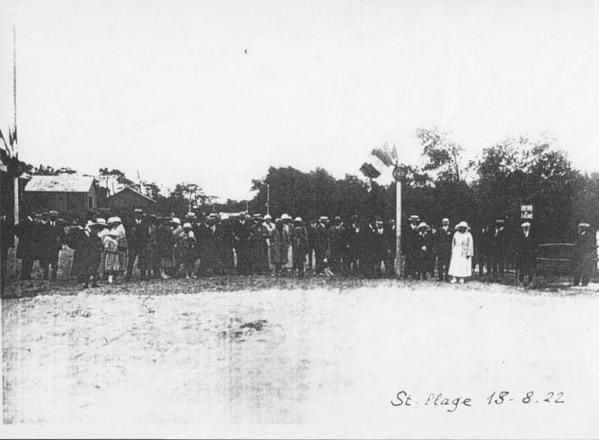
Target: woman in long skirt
(462, 250)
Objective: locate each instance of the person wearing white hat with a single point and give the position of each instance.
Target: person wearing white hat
(525, 253)
(187, 246)
(116, 225)
(102, 233)
(299, 245)
(585, 253)
(287, 225)
(111, 266)
(269, 226)
(462, 251)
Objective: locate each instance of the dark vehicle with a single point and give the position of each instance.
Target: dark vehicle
(554, 259)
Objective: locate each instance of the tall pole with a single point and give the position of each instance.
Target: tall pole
(15, 145)
(398, 255)
(14, 87)
(268, 198)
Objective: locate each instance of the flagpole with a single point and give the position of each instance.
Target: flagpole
(15, 145)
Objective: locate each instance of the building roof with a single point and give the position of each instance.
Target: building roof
(128, 188)
(61, 183)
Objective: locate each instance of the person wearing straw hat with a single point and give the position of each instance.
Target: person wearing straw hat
(462, 250)
(585, 254)
(525, 253)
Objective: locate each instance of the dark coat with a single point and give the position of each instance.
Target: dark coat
(379, 240)
(424, 252)
(137, 234)
(27, 249)
(525, 251)
(91, 254)
(299, 243)
(320, 237)
(442, 242)
(585, 252)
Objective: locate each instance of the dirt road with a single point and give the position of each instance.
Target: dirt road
(175, 353)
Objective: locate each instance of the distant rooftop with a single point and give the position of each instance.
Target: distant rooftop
(61, 183)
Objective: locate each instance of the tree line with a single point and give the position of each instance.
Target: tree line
(504, 176)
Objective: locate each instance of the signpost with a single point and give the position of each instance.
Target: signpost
(397, 175)
(526, 212)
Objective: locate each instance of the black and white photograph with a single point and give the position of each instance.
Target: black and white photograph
(299, 218)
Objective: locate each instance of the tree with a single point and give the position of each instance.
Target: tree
(48, 170)
(150, 189)
(441, 155)
(526, 171)
(112, 179)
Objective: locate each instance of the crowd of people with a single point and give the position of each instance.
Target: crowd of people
(164, 247)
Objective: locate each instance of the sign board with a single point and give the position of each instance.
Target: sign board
(397, 174)
(526, 212)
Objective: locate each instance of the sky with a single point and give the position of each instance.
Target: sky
(165, 88)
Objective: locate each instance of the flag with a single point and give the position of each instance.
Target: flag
(383, 155)
(378, 161)
(369, 170)
(3, 140)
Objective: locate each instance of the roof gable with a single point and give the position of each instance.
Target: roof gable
(137, 193)
(60, 183)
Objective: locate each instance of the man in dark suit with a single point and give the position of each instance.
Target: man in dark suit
(26, 247)
(498, 247)
(137, 235)
(241, 234)
(320, 243)
(410, 244)
(53, 236)
(442, 241)
(390, 245)
(525, 253)
(379, 244)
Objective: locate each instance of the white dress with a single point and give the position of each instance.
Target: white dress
(462, 250)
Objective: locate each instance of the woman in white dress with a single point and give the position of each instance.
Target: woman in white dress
(462, 250)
